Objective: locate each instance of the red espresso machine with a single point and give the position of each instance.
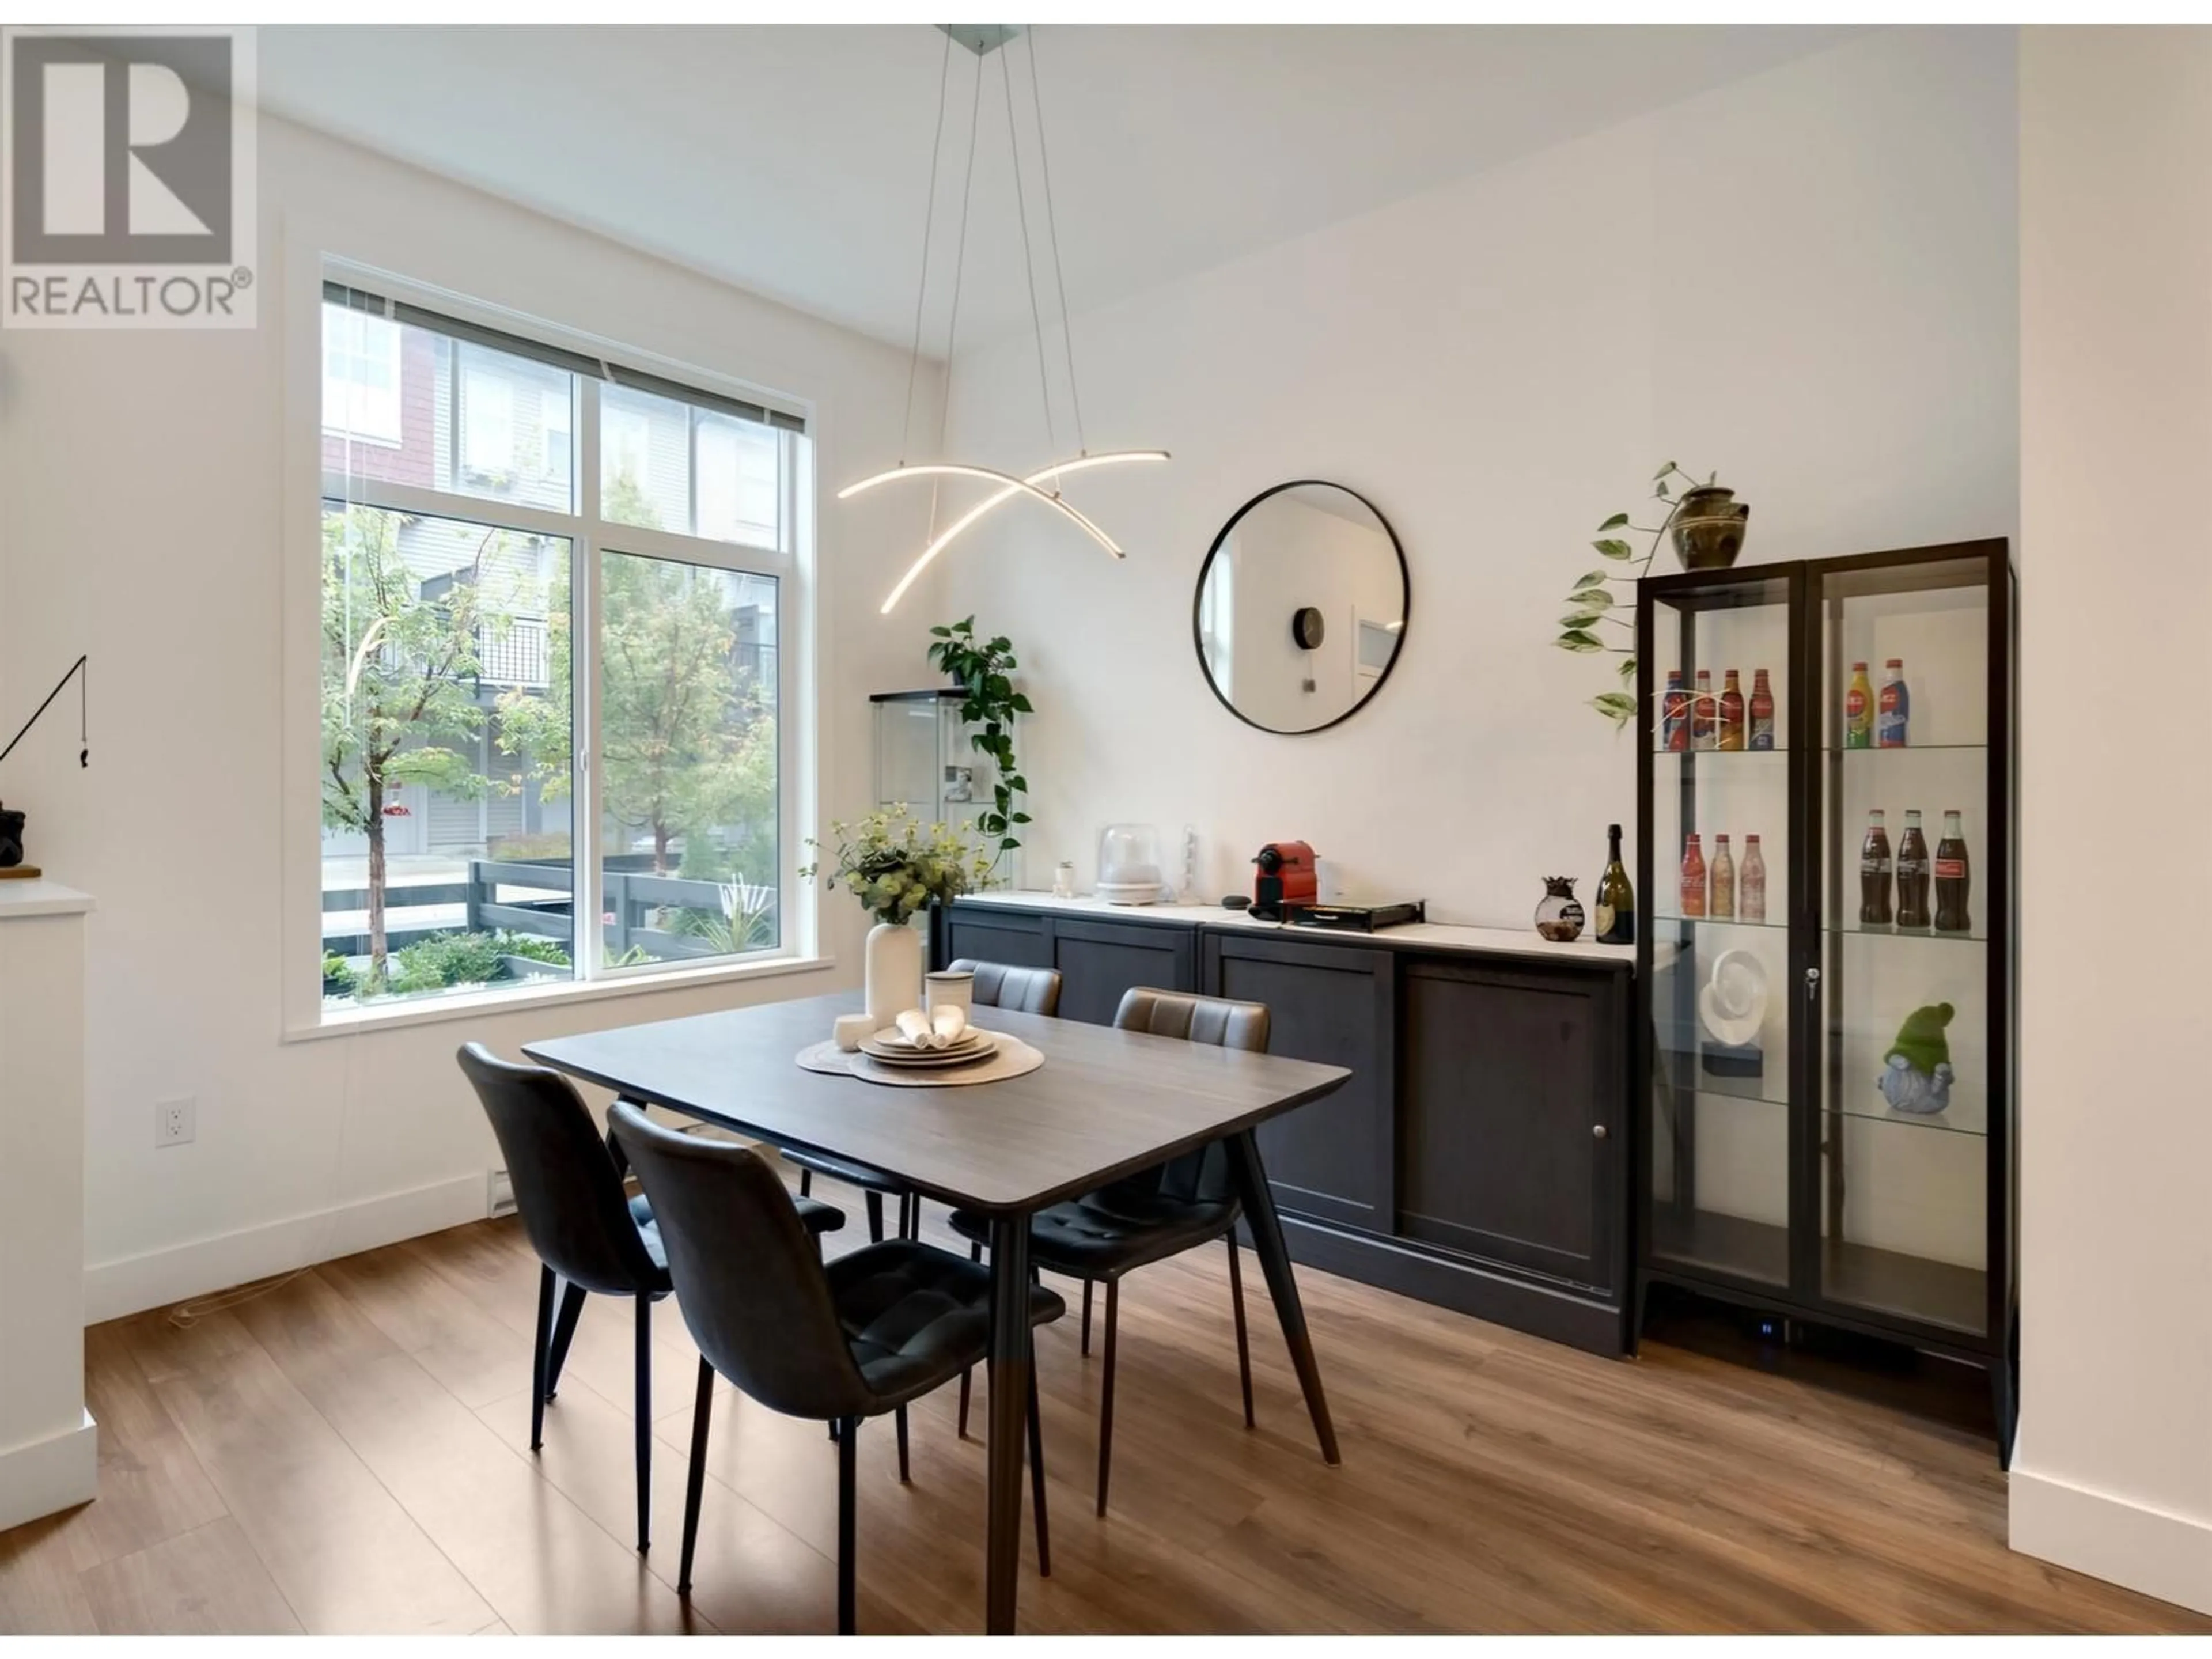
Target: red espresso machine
(1286, 878)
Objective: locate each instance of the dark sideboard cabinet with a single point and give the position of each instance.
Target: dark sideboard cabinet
(1479, 1155)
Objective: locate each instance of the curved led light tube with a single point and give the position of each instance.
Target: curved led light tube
(947, 468)
(1014, 487)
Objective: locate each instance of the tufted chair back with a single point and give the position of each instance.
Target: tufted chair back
(1202, 1175)
(1024, 990)
(747, 1274)
(566, 1183)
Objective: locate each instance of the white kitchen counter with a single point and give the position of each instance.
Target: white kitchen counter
(1426, 936)
(40, 898)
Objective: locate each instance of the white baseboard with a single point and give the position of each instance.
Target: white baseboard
(2153, 1550)
(132, 1283)
(49, 1475)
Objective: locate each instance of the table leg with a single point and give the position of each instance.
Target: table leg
(1010, 1391)
(1259, 1202)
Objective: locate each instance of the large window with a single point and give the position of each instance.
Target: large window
(551, 691)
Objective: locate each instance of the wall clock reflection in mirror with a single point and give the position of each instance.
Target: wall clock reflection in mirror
(1301, 606)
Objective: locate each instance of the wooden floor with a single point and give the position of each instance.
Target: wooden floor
(349, 1453)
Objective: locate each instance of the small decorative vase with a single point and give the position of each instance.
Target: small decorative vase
(11, 839)
(893, 972)
(1560, 917)
(1709, 527)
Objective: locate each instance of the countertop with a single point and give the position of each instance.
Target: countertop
(1426, 936)
(40, 898)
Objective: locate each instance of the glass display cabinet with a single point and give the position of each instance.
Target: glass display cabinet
(925, 761)
(1825, 846)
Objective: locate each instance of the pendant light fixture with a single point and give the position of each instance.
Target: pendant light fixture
(1042, 485)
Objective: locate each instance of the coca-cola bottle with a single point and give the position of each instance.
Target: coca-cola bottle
(1705, 719)
(1912, 875)
(1762, 711)
(1694, 877)
(1751, 884)
(1732, 712)
(1722, 901)
(1674, 713)
(1874, 873)
(1953, 879)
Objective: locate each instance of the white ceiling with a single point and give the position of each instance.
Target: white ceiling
(794, 162)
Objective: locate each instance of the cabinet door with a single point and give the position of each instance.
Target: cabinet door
(984, 933)
(1330, 1159)
(1100, 960)
(1511, 1135)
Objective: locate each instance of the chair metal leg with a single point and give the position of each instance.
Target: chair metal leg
(696, 1486)
(848, 1440)
(1036, 1479)
(875, 1218)
(564, 1328)
(967, 1383)
(975, 1250)
(1244, 1344)
(806, 1183)
(905, 1477)
(1086, 1319)
(1106, 1396)
(644, 1426)
(537, 1357)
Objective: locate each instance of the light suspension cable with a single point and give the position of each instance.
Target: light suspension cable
(1052, 233)
(928, 224)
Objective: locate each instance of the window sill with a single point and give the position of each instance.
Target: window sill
(473, 1005)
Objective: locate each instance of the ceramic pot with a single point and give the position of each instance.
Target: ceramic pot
(1708, 527)
(893, 972)
(11, 840)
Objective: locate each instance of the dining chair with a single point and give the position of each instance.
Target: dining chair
(1181, 1204)
(853, 1338)
(588, 1231)
(1024, 990)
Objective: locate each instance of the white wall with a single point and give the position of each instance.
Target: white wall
(2113, 1470)
(1806, 280)
(142, 517)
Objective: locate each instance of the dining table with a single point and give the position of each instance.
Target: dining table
(1105, 1103)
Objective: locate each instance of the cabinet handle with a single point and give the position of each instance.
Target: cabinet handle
(1812, 983)
(1597, 1131)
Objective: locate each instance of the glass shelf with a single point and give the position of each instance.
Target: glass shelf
(1977, 935)
(1686, 1074)
(1912, 748)
(1965, 1117)
(1727, 754)
(1719, 921)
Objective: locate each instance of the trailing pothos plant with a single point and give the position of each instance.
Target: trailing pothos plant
(989, 705)
(1591, 605)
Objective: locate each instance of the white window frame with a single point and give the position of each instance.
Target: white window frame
(791, 566)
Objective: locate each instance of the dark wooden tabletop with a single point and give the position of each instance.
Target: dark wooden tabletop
(1104, 1103)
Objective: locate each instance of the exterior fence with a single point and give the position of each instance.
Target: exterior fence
(630, 893)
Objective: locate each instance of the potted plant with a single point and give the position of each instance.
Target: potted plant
(1708, 526)
(898, 868)
(990, 703)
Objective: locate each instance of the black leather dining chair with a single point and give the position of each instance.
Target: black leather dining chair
(853, 1338)
(1024, 990)
(1174, 1206)
(586, 1230)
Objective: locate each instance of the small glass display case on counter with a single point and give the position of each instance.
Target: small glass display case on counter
(925, 761)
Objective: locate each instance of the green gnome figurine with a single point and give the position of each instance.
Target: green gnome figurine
(1917, 1075)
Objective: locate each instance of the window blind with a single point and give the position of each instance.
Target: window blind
(574, 362)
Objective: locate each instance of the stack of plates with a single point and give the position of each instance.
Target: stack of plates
(889, 1047)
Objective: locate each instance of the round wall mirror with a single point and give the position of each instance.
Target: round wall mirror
(1301, 606)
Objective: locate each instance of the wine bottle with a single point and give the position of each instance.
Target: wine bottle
(1616, 901)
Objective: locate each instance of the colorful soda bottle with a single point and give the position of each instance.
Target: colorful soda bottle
(1705, 715)
(1722, 901)
(1732, 712)
(1858, 710)
(1762, 711)
(1894, 708)
(1751, 894)
(1675, 715)
(1694, 877)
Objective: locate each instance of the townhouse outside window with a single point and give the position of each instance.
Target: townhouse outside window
(552, 738)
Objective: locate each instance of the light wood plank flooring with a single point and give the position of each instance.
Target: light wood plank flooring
(349, 1453)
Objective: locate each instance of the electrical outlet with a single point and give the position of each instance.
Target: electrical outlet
(175, 1122)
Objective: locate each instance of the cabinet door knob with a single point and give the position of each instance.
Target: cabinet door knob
(1812, 983)
(1597, 1131)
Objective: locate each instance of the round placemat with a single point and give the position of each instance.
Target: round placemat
(1014, 1058)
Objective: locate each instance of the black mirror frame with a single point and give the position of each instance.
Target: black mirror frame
(1197, 592)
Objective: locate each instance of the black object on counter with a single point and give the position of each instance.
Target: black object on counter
(1237, 902)
(1358, 918)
